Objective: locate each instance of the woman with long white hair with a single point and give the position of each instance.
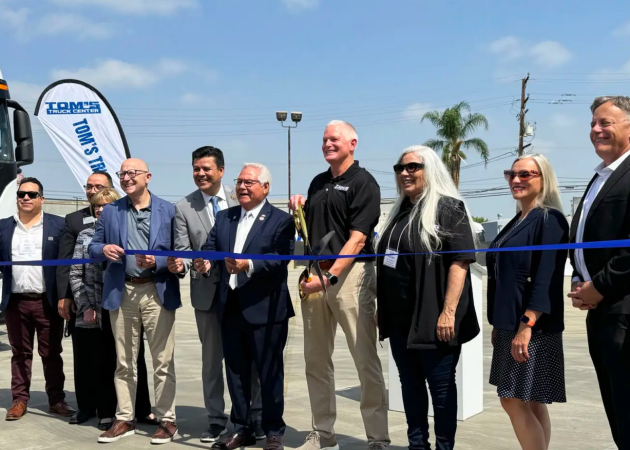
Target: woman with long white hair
(526, 303)
(425, 302)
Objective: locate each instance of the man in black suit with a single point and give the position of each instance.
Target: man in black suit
(601, 277)
(254, 305)
(29, 297)
(74, 224)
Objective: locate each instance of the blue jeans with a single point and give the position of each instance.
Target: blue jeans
(437, 366)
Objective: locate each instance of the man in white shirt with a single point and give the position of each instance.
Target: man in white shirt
(253, 304)
(601, 276)
(29, 298)
(194, 218)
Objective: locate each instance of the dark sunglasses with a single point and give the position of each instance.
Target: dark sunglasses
(522, 174)
(32, 195)
(409, 167)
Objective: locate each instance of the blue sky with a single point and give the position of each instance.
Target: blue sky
(186, 73)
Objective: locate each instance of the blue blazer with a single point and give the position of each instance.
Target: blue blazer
(53, 229)
(264, 298)
(112, 229)
(534, 280)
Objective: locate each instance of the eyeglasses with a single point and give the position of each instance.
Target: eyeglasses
(31, 194)
(132, 173)
(98, 187)
(96, 207)
(522, 174)
(246, 183)
(409, 167)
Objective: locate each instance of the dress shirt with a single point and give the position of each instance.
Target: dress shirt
(223, 204)
(27, 245)
(245, 224)
(603, 173)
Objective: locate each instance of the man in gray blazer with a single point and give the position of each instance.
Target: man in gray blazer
(194, 218)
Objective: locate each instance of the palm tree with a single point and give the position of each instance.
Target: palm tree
(453, 128)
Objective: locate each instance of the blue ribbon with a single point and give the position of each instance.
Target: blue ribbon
(215, 256)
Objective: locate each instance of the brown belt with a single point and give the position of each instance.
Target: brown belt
(326, 264)
(28, 296)
(138, 280)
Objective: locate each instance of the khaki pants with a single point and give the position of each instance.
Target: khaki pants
(351, 303)
(141, 306)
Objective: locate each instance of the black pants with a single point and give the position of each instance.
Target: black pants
(263, 345)
(415, 368)
(94, 369)
(609, 346)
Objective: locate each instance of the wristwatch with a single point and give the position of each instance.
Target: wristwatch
(527, 321)
(332, 279)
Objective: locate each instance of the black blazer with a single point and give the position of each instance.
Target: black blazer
(608, 219)
(264, 298)
(522, 280)
(53, 228)
(74, 224)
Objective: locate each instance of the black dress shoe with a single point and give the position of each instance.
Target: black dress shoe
(235, 441)
(81, 417)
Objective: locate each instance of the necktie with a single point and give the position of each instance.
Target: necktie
(215, 206)
(241, 236)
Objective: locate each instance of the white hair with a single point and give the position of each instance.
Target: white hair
(549, 196)
(264, 176)
(349, 131)
(438, 184)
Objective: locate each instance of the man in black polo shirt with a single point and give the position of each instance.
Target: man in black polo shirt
(344, 199)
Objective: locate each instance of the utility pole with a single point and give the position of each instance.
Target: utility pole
(521, 115)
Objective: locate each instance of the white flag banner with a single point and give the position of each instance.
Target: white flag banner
(84, 128)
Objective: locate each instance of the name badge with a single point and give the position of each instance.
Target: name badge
(390, 259)
(26, 248)
(87, 220)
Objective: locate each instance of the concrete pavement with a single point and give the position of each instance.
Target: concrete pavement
(578, 424)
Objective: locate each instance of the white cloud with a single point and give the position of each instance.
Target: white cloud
(171, 67)
(26, 27)
(25, 93)
(120, 74)
(623, 30)
(550, 54)
(415, 111)
(66, 23)
(137, 7)
(300, 5)
(508, 47)
(559, 120)
(544, 53)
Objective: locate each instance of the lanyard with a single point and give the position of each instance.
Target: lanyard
(399, 237)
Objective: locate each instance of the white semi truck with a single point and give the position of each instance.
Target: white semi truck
(12, 159)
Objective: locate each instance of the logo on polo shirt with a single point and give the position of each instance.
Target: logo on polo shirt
(341, 188)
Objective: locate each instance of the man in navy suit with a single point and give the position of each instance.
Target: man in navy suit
(139, 290)
(29, 298)
(254, 305)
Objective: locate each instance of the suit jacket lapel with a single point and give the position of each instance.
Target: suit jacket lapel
(122, 222)
(7, 254)
(200, 207)
(259, 221)
(578, 212)
(236, 215)
(46, 232)
(608, 185)
(156, 215)
(230, 196)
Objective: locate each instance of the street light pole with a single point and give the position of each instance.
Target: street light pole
(296, 117)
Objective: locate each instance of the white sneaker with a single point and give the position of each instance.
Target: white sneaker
(315, 442)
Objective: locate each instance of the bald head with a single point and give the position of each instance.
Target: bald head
(134, 163)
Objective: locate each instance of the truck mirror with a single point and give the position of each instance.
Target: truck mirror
(23, 136)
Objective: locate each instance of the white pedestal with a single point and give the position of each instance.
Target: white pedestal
(469, 375)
